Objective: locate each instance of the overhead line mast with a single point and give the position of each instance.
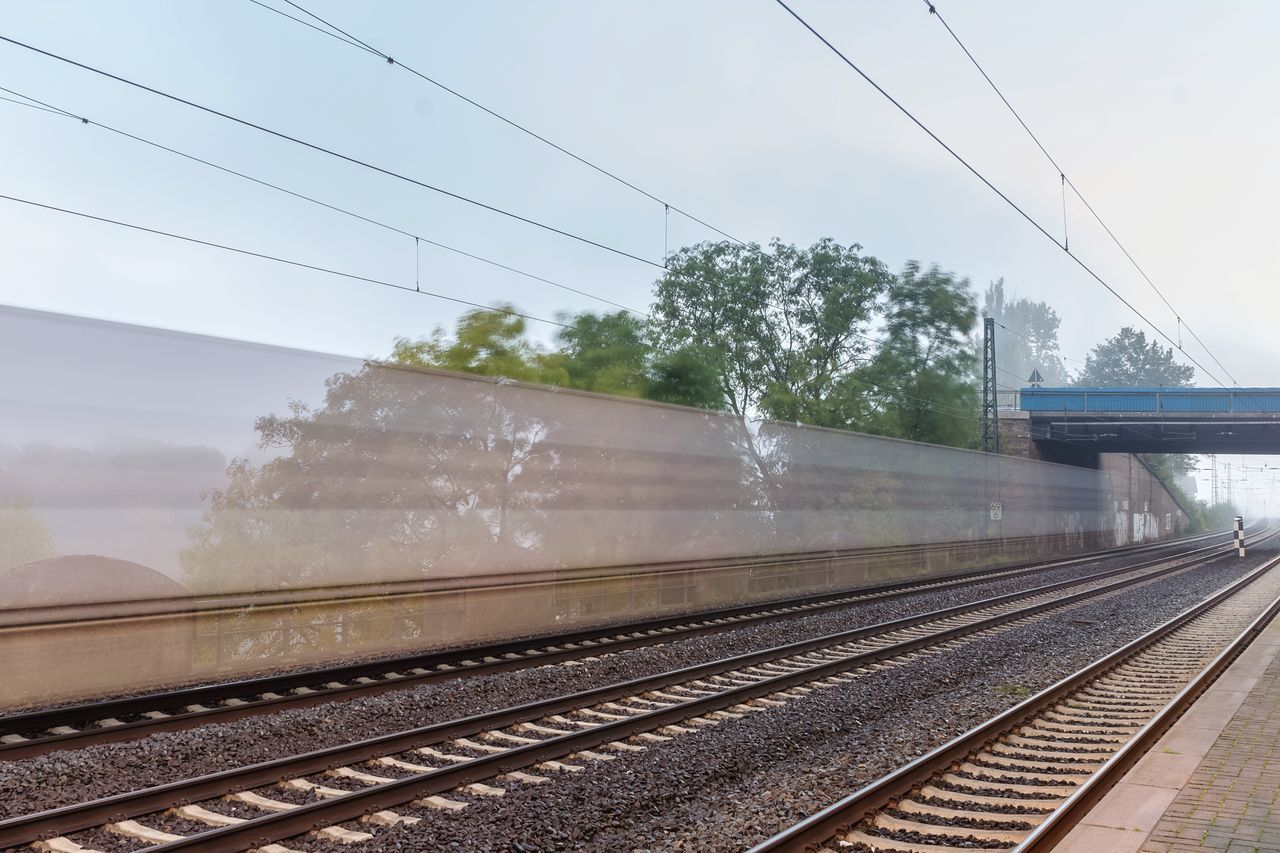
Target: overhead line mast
(990, 410)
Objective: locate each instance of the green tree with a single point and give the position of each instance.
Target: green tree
(1170, 468)
(614, 354)
(921, 380)
(1033, 343)
(1129, 360)
(609, 353)
(685, 378)
(780, 327)
(489, 342)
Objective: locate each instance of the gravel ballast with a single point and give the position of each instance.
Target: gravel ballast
(732, 785)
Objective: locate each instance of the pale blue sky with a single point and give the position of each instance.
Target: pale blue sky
(1161, 112)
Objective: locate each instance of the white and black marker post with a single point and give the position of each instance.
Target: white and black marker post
(1240, 535)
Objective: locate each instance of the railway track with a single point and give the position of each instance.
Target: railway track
(75, 726)
(1021, 780)
(383, 780)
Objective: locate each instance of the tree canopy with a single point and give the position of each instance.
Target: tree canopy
(488, 343)
(922, 376)
(1033, 345)
(1129, 360)
(781, 327)
(824, 335)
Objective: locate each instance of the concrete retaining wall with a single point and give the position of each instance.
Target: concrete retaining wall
(96, 647)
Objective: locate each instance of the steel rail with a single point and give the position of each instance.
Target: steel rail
(461, 662)
(817, 829)
(1061, 821)
(28, 828)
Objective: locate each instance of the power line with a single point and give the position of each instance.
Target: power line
(51, 108)
(56, 110)
(30, 106)
(345, 157)
(942, 409)
(1031, 220)
(1018, 334)
(933, 10)
(920, 403)
(280, 260)
(349, 39)
(1009, 372)
(342, 38)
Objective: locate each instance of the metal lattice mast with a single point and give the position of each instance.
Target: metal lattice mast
(990, 415)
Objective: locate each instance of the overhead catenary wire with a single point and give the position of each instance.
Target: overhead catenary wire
(991, 186)
(348, 38)
(391, 173)
(30, 106)
(342, 38)
(280, 260)
(354, 160)
(45, 106)
(1067, 182)
(418, 238)
(1026, 338)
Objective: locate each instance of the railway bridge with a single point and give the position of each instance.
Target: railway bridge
(1154, 420)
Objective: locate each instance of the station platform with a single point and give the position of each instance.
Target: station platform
(1212, 782)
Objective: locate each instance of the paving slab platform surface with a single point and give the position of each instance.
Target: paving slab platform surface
(1212, 782)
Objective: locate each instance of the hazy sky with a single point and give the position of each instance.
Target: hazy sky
(1160, 113)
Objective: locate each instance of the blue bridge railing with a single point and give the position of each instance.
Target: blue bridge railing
(1173, 401)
